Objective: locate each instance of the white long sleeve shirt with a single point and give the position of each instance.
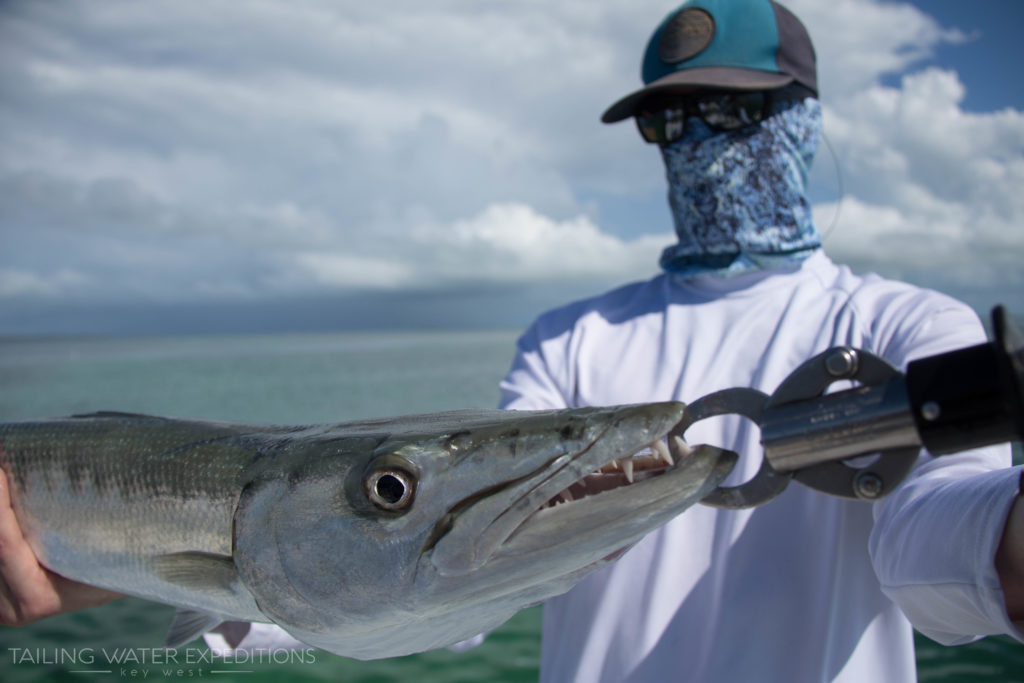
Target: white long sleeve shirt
(808, 587)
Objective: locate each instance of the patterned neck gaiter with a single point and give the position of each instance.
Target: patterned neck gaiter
(738, 197)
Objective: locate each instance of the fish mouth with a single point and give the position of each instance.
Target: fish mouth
(631, 477)
(657, 458)
(619, 488)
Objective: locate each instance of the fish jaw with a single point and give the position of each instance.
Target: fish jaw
(603, 524)
(521, 535)
(479, 531)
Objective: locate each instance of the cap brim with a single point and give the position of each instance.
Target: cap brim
(688, 79)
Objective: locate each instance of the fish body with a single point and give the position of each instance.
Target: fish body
(367, 539)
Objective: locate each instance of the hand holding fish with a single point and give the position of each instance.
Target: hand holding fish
(29, 591)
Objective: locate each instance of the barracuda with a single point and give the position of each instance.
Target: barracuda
(368, 539)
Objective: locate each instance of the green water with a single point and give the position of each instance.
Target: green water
(293, 379)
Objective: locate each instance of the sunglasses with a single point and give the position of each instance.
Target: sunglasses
(663, 122)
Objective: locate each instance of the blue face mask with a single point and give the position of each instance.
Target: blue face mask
(738, 197)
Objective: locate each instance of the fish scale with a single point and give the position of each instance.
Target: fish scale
(98, 497)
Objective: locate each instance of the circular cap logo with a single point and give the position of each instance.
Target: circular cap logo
(687, 35)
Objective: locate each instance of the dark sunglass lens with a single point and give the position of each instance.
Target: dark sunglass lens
(675, 121)
(648, 126)
(730, 111)
(661, 127)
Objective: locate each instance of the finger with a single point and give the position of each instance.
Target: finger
(17, 560)
(29, 591)
(26, 592)
(73, 595)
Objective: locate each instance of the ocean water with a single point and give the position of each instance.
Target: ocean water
(292, 379)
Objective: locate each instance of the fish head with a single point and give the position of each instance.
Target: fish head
(399, 536)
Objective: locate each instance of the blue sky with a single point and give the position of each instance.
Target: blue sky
(989, 62)
(256, 165)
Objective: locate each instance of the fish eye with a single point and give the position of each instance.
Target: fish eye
(390, 489)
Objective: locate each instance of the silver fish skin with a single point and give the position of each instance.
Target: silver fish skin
(367, 539)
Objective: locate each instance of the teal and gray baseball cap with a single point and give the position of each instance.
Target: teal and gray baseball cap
(729, 44)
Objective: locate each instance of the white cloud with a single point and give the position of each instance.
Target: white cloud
(341, 270)
(511, 241)
(245, 149)
(504, 243)
(932, 187)
(17, 282)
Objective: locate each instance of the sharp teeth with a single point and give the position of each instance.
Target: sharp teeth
(627, 468)
(661, 450)
(681, 446)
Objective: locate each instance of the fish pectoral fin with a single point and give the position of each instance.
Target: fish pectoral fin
(197, 571)
(188, 625)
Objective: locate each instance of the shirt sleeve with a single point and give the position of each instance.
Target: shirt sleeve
(935, 537)
(537, 379)
(934, 544)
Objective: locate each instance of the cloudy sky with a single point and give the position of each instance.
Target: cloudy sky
(238, 165)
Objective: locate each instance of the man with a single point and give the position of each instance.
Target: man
(807, 587)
